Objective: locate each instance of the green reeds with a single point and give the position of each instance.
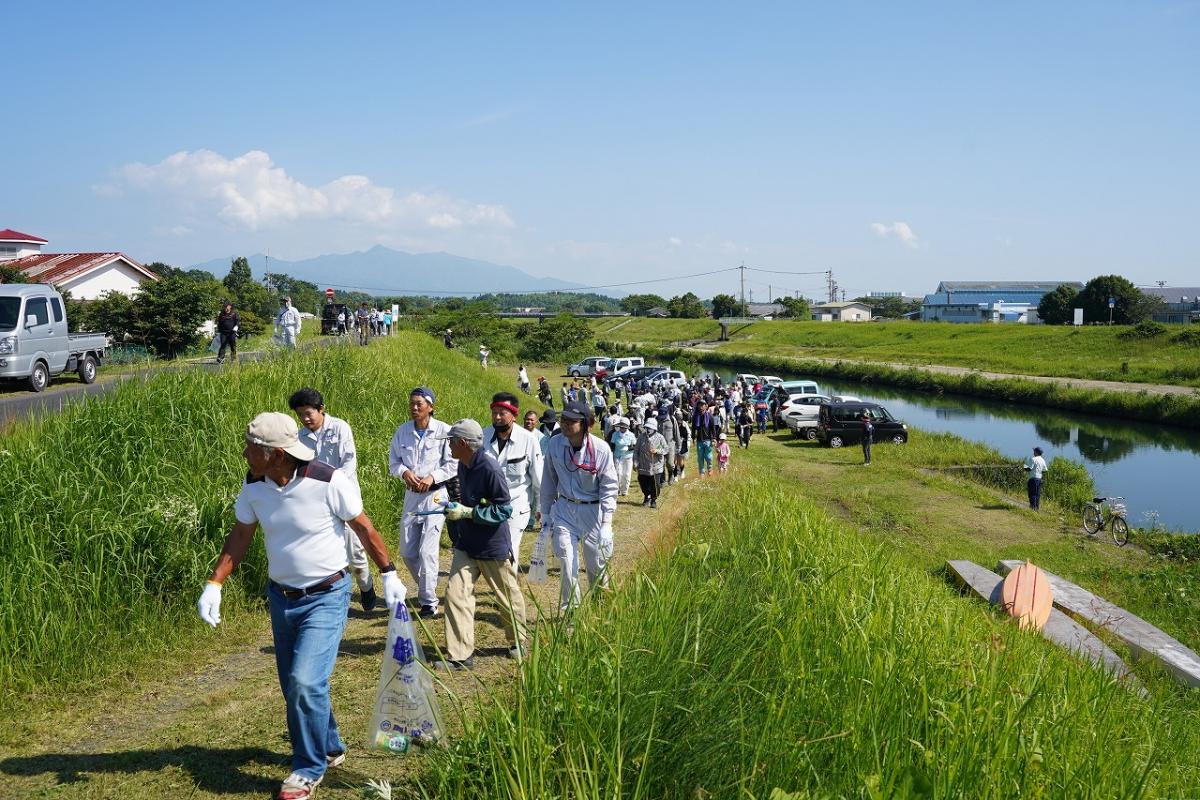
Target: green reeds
(773, 649)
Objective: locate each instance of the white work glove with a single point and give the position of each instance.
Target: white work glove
(393, 590)
(209, 604)
(457, 511)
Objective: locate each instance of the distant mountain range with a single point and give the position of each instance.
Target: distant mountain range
(383, 271)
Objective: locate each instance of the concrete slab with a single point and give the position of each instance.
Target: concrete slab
(1060, 629)
(1143, 639)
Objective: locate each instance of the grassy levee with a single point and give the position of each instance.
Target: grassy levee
(1094, 352)
(113, 511)
(1170, 409)
(774, 647)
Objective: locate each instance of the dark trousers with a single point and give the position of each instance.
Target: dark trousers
(1035, 493)
(866, 451)
(744, 432)
(649, 486)
(228, 340)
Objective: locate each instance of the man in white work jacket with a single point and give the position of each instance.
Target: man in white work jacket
(288, 323)
(517, 452)
(420, 456)
(578, 500)
(333, 442)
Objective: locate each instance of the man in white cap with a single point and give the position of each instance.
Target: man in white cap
(578, 499)
(623, 450)
(520, 458)
(482, 546)
(420, 456)
(303, 506)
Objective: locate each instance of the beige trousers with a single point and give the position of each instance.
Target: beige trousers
(501, 577)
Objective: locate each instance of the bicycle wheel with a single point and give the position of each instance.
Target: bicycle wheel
(1120, 531)
(1092, 521)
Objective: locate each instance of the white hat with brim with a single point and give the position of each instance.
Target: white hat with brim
(277, 430)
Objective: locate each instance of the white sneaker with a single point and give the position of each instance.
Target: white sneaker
(297, 787)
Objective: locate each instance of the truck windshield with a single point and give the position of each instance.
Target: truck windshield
(10, 307)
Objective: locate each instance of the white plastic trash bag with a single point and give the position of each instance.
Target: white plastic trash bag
(537, 561)
(406, 709)
(215, 345)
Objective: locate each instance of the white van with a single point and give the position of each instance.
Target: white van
(616, 365)
(800, 387)
(747, 377)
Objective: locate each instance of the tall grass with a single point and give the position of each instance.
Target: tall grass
(112, 512)
(1171, 409)
(771, 648)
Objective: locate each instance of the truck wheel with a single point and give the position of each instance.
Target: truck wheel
(87, 370)
(810, 434)
(835, 441)
(39, 377)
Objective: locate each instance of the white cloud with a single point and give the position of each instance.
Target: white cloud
(899, 230)
(252, 193)
(674, 241)
(172, 230)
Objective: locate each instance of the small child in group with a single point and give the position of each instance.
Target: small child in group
(722, 454)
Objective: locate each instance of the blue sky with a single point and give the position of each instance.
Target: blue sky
(897, 144)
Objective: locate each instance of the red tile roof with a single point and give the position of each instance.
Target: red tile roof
(9, 235)
(59, 267)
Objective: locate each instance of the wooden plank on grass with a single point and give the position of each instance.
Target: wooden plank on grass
(1143, 639)
(1060, 629)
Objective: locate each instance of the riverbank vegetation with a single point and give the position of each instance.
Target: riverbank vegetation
(1089, 352)
(775, 651)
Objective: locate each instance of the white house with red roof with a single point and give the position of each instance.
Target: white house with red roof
(85, 275)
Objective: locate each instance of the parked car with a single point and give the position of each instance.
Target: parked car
(587, 367)
(615, 365)
(770, 380)
(801, 387)
(34, 342)
(749, 379)
(666, 376)
(841, 423)
(636, 373)
(800, 414)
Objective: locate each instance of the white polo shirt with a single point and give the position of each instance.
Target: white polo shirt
(303, 522)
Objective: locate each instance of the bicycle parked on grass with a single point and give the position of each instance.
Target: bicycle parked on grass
(1106, 512)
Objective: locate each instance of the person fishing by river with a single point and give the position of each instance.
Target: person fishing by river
(868, 436)
(1036, 467)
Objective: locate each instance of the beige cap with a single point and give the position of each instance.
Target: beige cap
(273, 429)
(468, 430)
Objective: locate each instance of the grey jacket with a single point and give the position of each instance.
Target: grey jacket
(651, 450)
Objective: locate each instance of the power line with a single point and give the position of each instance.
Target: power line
(387, 291)
(785, 272)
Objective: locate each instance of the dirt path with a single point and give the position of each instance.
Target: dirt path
(1076, 383)
(214, 726)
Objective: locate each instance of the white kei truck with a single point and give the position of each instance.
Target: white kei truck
(34, 342)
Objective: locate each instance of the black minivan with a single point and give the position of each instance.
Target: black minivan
(841, 423)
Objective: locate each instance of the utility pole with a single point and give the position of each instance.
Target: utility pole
(831, 285)
(267, 271)
(743, 274)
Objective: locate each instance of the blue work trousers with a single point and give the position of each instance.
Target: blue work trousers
(307, 632)
(704, 456)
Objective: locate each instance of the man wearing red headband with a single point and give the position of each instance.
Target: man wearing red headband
(520, 458)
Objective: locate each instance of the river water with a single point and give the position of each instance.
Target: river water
(1155, 467)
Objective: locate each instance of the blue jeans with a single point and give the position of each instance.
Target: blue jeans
(307, 633)
(1035, 492)
(704, 452)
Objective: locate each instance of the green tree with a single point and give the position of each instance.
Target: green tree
(562, 338)
(11, 275)
(798, 308)
(113, 313)
(1058, 307)
(168, 314)
(639, 304)
(1094, 300)
(726, 305)
(686, 306)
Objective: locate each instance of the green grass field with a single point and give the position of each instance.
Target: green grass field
(1098, 353)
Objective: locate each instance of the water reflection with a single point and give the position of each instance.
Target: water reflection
(1147, 463)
